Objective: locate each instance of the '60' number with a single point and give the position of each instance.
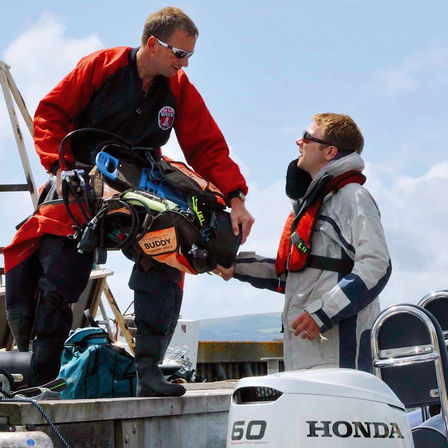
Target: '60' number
(255, 429)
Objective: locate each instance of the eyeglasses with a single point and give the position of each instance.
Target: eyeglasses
(181, 54)
(307, 137)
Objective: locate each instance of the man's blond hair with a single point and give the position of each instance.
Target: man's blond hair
(165, 21)
(341, 131)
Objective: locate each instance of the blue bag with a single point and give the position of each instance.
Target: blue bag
(95, 368)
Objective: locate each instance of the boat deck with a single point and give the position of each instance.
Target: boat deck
(198, 419)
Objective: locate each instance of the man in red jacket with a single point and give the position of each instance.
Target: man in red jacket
(140, 94)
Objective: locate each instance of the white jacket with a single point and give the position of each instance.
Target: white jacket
(344, 307)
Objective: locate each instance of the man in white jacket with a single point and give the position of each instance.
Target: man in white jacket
(333, 259)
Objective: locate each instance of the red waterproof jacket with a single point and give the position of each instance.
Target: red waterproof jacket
(105, 92)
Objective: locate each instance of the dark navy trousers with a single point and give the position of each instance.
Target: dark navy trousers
(61, 273)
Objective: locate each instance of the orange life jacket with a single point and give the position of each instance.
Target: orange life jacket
(294, 251)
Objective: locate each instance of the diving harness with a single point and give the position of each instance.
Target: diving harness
(160, 210)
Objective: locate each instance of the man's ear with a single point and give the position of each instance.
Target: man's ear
(331, 153)
(151, 43)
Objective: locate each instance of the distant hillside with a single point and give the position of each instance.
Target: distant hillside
(250, 327)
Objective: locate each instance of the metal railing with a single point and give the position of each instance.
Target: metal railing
(416, 354)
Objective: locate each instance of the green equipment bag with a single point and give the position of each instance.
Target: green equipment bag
(95, 368)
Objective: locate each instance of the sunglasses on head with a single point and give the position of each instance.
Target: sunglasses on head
(179, 53)
(307, 137)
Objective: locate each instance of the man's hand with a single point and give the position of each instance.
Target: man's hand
(239, 215)
(224, 273)
(59, 183)
(306, 326)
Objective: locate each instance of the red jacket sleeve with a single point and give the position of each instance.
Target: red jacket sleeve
(57, 113)
(200, 138)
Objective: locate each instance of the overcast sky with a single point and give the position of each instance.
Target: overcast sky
(263, 69)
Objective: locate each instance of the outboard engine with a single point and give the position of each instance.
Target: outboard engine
(317, 408)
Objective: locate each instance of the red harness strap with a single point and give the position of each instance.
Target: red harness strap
(295, 243)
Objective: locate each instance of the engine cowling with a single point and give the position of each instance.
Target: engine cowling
(317, 408)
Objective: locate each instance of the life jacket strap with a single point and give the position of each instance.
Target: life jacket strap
(299, 243)
(330, 264)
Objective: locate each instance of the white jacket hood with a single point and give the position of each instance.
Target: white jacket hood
(350, 162)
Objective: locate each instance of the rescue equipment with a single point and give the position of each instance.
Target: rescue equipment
(294, 252)
(161, 210)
